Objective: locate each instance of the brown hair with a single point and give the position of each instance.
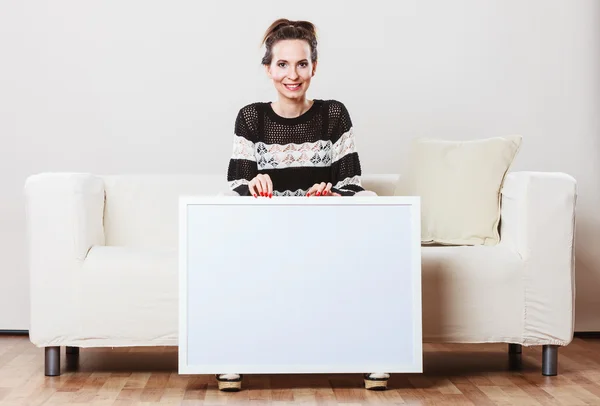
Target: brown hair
(285, 29)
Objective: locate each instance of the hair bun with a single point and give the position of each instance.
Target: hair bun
(307, 25)
(282, 23)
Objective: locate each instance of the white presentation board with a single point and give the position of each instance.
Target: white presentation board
(299, 285)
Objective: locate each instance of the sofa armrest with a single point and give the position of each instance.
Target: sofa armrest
(538, 222)
(64, 217)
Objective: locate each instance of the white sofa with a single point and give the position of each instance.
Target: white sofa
(103, 264)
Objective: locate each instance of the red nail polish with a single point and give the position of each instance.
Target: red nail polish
(308, 194)
(254, 194)
(318, 193)
(270, 195)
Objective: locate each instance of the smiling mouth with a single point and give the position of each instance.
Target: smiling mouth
(293, 86)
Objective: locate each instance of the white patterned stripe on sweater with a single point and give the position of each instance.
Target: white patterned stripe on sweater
(243, 149)
(354, 180)
(238, 182)
(280, 156)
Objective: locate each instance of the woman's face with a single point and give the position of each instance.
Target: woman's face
(291, 68)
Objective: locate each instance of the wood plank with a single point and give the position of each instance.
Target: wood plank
(455, 374)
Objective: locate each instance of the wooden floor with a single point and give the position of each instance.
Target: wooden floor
(453, 375)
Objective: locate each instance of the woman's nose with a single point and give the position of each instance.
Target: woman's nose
(293, 74)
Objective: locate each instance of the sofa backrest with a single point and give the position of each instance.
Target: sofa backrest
(142, 210)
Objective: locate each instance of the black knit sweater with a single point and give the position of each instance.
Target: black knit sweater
(296, 153)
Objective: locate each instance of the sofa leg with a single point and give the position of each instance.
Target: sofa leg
(52, 361)
(550, 360)
(515, 349)
(514, 357)
(72, 350)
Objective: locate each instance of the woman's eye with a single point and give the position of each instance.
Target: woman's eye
(303, 64)
(281, 65)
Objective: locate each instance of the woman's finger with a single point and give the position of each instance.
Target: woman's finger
(312, 190)
(327, 190)
(263, 185)
(252, 187)
(269, 186)
(321, 188)
(258, 186)
(315, 190)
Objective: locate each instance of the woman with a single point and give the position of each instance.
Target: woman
(294, 146)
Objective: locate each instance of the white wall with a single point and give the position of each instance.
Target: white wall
(149, 86)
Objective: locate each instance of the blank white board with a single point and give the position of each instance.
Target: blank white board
(300, 285)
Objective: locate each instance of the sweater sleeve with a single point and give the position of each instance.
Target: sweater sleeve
(242, 164)
(345, 168)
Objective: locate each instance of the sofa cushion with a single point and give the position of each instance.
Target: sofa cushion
(459, 183)
(381, 184)
(131, 294)
(472, 294)
(143, 210)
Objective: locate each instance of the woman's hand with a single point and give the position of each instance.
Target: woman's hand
(261, 185)
(321, 189)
